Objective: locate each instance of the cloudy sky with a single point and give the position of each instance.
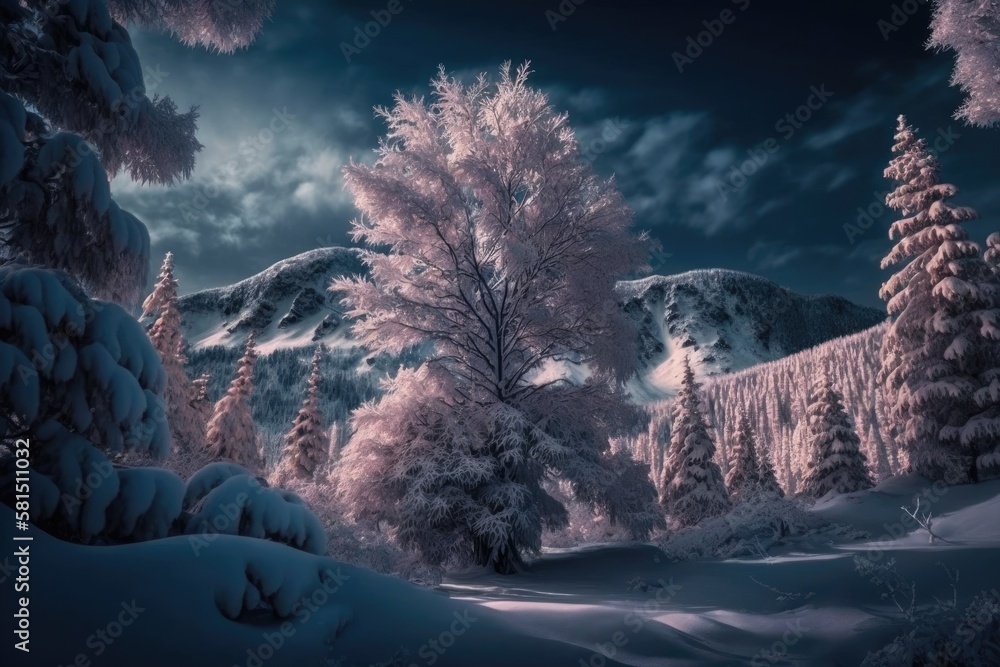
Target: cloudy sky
(279, 119)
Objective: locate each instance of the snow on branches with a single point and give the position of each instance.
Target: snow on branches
(971, 28)
(187, 429)
(940, 362)
(837, 464)
(232, 433)
(504, 250)
(306, 444)
(693, 487)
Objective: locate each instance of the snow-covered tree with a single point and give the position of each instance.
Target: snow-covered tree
(695, 489)
(504, 250)
(232, 433)
(74, 110)
(940, 363)
(837, 463)
(187, 430)
(306, 444)
(971, 28)
(751, 472)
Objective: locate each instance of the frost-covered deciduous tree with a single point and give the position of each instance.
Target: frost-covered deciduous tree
(837, 463)
(940, 361)
(971, 28)
(187, 430)
(752, 472)
(504, 250)
(232, 433)
(306, 444)
(74, 110)
(695, 488)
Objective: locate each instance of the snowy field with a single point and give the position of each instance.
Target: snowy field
(806, 603)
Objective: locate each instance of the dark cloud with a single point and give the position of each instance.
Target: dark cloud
(672, 139)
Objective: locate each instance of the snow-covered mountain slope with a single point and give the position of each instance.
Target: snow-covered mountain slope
(727, 321)
(287, 304)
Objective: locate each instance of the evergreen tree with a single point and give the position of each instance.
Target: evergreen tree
(837, 462)
(696, 489)
(939, 357)
(306, 443)
(187, 431)
(751, 472)
(232, 433)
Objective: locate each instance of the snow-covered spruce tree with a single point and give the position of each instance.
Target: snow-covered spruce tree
(971, 28)
(306, 443)
(187, 430)
(504, 249)
(751, 473)
(72, 89)
(232, 433)
(940, 358)
(695, 489)
(837, 463)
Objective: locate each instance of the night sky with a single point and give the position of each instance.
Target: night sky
(259, 196)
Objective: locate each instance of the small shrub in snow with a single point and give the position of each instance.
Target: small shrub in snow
(940, 635)
(746, 531)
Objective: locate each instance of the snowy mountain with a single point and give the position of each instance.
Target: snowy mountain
(286, 304)
(727, 321)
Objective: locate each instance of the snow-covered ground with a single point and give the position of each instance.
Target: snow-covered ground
(804, 604)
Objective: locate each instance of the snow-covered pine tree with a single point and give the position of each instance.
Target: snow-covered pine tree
(187, 430)
(837, 463)
(940, 364)
(504, 249)
(232, 433)
(971, 28)
(306, 443)
(751, 473)
(695, 489)
(74, 109)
